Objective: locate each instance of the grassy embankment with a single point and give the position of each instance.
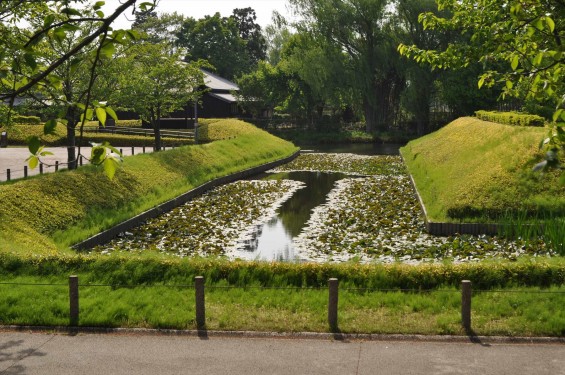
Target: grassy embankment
(46, 214)
(473, 170)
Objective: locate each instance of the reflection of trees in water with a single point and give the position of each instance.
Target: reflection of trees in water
(296, 211)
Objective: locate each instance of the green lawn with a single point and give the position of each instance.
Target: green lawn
(473, 170)
(521, 312)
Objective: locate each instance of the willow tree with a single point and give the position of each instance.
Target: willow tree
(361, 29)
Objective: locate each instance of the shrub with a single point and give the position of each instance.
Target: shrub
(511, 118)
(27, 120)
(147, 270)
(122, 140)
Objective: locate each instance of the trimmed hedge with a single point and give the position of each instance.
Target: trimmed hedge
(122, 140)
(511, 118)
(150, 270)
(27, 120)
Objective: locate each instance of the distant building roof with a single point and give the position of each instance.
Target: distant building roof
(215, 82)
(229, 98)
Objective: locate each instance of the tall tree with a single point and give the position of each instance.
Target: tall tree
(251, 33)
(360, 28)
(162, 28)
(215, 39)
(156, 83)
(276, 35)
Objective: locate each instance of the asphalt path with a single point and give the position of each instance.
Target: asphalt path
(47, 353)
(14, 159)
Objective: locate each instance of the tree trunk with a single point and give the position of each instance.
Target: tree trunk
(70, 116)
(375, 117)
(157, 130)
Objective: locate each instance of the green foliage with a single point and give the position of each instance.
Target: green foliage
(530, 228)
(369, 65)
(511, 118)
(120, 123)
(155, 269)
(477, 170)
(29, 120)
(19, 134)
(217, 40)
(154, 82)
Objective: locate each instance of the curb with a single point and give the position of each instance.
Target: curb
(109, 234)
(482, 340)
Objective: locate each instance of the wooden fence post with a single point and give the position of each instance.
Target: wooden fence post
(466, 304)
(332, 303)
(25, 171)
(40, 168)
(73, 300)
(200, 307)
(8, 174)
(56, 165)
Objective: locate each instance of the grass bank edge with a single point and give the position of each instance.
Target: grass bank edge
(47, 214)
(476, 171)
(158, 269)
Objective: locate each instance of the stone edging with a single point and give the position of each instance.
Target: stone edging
(450, 229)
(287, 335)
(109, 234)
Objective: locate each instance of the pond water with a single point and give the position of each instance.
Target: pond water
(274, 239)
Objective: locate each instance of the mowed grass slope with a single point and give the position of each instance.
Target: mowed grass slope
(476, 170)
(49, 213)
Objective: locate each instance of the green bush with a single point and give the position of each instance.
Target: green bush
(26, 120)
(148, 270)
(511, 118)
(121, 123)
(18, 135)
(122, 140)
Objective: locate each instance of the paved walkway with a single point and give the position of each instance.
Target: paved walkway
(14, 159)
(41, 353)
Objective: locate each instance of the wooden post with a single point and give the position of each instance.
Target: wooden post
(80, 161)
(8, 174)
(200, 307)
(332, 303)
(73, 300)
(466, 304)
(40, 168)
(25, 171)
(56, 165)
(132, 150)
